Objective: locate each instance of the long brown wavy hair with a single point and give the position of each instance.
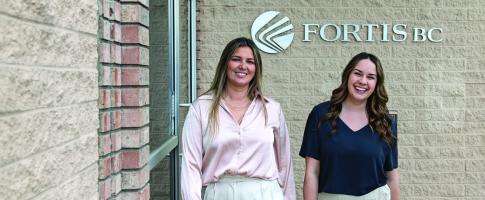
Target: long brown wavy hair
(218, 86)
(376, 105)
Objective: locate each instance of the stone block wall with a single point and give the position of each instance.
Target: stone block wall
(124, 99)
(48, 100)
(438, 89)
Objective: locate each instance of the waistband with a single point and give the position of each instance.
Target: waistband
(238, 178)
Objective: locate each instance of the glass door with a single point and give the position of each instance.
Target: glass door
(172, 89)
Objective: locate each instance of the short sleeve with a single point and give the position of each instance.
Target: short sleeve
(309, 146)
(391, 158)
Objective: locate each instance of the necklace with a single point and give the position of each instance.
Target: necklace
(237, 110)
(238, 106)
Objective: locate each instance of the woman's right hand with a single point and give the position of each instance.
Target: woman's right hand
(310, 184)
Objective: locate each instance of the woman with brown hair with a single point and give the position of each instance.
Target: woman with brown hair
(235, 140)
(350, 142)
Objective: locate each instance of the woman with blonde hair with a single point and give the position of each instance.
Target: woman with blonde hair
(235, 140)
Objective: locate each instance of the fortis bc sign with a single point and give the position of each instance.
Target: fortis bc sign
(272, 32)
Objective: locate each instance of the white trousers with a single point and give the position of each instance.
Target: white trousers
(243, 188)
(381, 193)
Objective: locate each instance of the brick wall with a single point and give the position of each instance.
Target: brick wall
(438, 88)
(48, 100)
(124, 99)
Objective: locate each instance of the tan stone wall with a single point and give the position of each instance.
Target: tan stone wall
(48, 100)
(437, 88)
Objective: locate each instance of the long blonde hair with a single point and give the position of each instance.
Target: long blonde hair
(219, 82)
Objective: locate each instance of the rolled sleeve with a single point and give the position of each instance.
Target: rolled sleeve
(309, 146)
(392, 157)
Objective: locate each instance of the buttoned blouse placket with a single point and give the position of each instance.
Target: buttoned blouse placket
(239, 126)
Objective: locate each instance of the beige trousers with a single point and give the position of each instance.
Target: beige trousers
(381, 193)
(243, 188)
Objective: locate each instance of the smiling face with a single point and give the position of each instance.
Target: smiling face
(362, 81)
(241, 68)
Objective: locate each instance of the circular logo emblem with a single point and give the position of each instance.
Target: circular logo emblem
(272, 32)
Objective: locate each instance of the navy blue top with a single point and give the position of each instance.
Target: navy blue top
(351, 162)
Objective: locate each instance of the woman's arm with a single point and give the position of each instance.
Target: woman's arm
(310, 183)
(393, 183)
(191, 169)
(285, 164)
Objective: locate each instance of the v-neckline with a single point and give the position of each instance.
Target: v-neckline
(350, 129)
(226, 107)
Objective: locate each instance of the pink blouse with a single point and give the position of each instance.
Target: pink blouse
(248, 149)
